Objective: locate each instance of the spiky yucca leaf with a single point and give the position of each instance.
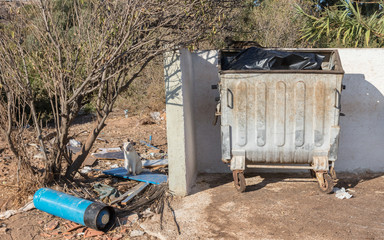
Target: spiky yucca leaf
(345, 28)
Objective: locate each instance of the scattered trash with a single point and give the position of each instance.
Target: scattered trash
(109, 155)
(102, 139)
(134, 191)
(154, 156)
(105, 191)
(9, 213)
(156, 116)
(91, 214)
(341, 193)
(155, 163)
(74, 143)
(145, 176)
(107, 150)
(86, 170)
(73, 149)
(137, 233)
(149, 145)
(129, 195)
(115, 165)
(27, 207)
(126, 113)
(148, 213)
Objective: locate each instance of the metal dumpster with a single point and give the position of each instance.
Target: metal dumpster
(281, 118)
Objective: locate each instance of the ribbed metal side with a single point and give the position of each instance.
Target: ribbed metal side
(279, 118)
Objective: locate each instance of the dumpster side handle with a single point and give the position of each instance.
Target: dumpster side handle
(337, 99)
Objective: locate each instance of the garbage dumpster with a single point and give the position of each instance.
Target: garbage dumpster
(280, 109)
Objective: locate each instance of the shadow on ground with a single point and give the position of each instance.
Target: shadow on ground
(346, 180)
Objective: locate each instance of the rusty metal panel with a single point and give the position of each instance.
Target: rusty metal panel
(281, 118)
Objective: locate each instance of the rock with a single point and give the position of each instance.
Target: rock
(117, 237)
(51, 225)
(136, 233)
(148, 213)
(133, 218)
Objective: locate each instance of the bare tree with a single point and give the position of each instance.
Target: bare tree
(77, 50)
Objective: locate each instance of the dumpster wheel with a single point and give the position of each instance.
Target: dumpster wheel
(239, 180)
(325, 182)
(333, 173)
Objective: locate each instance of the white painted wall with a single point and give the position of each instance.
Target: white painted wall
(362, 129)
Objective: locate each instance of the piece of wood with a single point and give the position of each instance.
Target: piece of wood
(109, 155)
(154, 163)
(129, 192)
(137, 191)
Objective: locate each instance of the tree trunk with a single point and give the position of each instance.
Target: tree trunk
(81, 156)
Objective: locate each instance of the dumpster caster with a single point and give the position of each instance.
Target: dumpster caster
(239, 180)
(333, 173)
(325, 182)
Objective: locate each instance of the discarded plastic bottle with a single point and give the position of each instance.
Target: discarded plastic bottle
(87, 213)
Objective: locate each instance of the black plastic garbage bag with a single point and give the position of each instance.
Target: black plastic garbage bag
(261, 59)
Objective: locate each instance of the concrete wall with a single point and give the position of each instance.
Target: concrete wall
(182, 164)
(362, 127)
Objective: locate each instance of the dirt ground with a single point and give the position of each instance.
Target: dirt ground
(32, 224)
(275, 206)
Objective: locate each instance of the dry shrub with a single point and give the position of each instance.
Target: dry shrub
(275, 23)
(147, 93)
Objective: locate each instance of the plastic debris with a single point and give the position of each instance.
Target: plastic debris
(9, 213)
(148, 213)
(145, 176)
(115, 165)
(137, 233)
(262, 59)
(107, 150)
(27, 207)
(105, 191)
(109, 155)
(134, 191)
(86, 170)
(148, 145)
(74, 143)
(341, 193)
(154, 163)
(156, 116)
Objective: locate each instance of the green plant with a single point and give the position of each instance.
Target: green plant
(343, 26)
